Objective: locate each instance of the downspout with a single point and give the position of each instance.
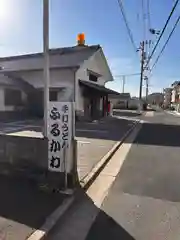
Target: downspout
(74, 172)
(74, 98)
(74, 84)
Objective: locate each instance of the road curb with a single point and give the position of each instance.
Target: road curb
(173, 113)
(50, 222)
(92, 175)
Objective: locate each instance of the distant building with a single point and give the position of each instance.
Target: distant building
(120, 101)
(155, 98)
(167, 97)
(175, 96)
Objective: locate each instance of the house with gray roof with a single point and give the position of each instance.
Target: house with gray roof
(120, 100)
(77, 74)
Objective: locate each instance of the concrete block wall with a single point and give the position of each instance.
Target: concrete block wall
(26, 157)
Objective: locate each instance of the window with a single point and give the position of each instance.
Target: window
(12, 97)
(53, 95)
(93, 77)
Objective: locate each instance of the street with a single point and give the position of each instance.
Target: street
(24, 207)
(94, 139)
(143, 201)
(89, 127)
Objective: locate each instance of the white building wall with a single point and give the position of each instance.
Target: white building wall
(96, 64)
(58, 78)
(173, 96)
(133, 103)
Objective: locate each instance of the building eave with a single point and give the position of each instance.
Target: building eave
(73, 68)
(105, 60)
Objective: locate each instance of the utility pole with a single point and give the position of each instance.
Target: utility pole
(123, 82)
(123, 76)
(46, 62)
(142, 70)
(147, 87)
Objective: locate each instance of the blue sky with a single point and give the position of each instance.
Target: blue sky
(102, 23)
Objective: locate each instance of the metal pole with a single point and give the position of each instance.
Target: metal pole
(147, 89)
(46, 62)
(142, 70)
(124, 80)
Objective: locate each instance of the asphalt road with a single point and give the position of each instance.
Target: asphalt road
(144, 201)
(24, 208)
(95, 139)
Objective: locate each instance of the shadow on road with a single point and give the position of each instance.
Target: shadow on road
(107, 228)
(111, 129)
(24, 206)
(159, 134)
(84, 220)
(152, 165)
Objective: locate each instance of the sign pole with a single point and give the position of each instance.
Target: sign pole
(46, 63)
(65, 169)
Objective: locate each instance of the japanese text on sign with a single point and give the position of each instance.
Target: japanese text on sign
(59, 134)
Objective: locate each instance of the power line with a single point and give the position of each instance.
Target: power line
(148, 14)
(143, 19)
(133, 74)
(148, 26)
(127, 25)
(162, 50)
(167, 21)
(148, 44)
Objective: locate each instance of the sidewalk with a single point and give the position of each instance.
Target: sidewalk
(24, 208)
(95, 140)
(175, 113)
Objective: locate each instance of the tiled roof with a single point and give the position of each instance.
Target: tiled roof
(121, 96)
(176, 83)
(59, 58)
(97, 87)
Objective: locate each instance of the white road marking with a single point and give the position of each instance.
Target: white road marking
(12, 129)
(92, 130)
(177, 114)
(27, 134)
(128, 118)
(83, 142)
(80, 218)
(149, 114)
(99, 190)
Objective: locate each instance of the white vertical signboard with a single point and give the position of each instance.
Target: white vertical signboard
(59, 135)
